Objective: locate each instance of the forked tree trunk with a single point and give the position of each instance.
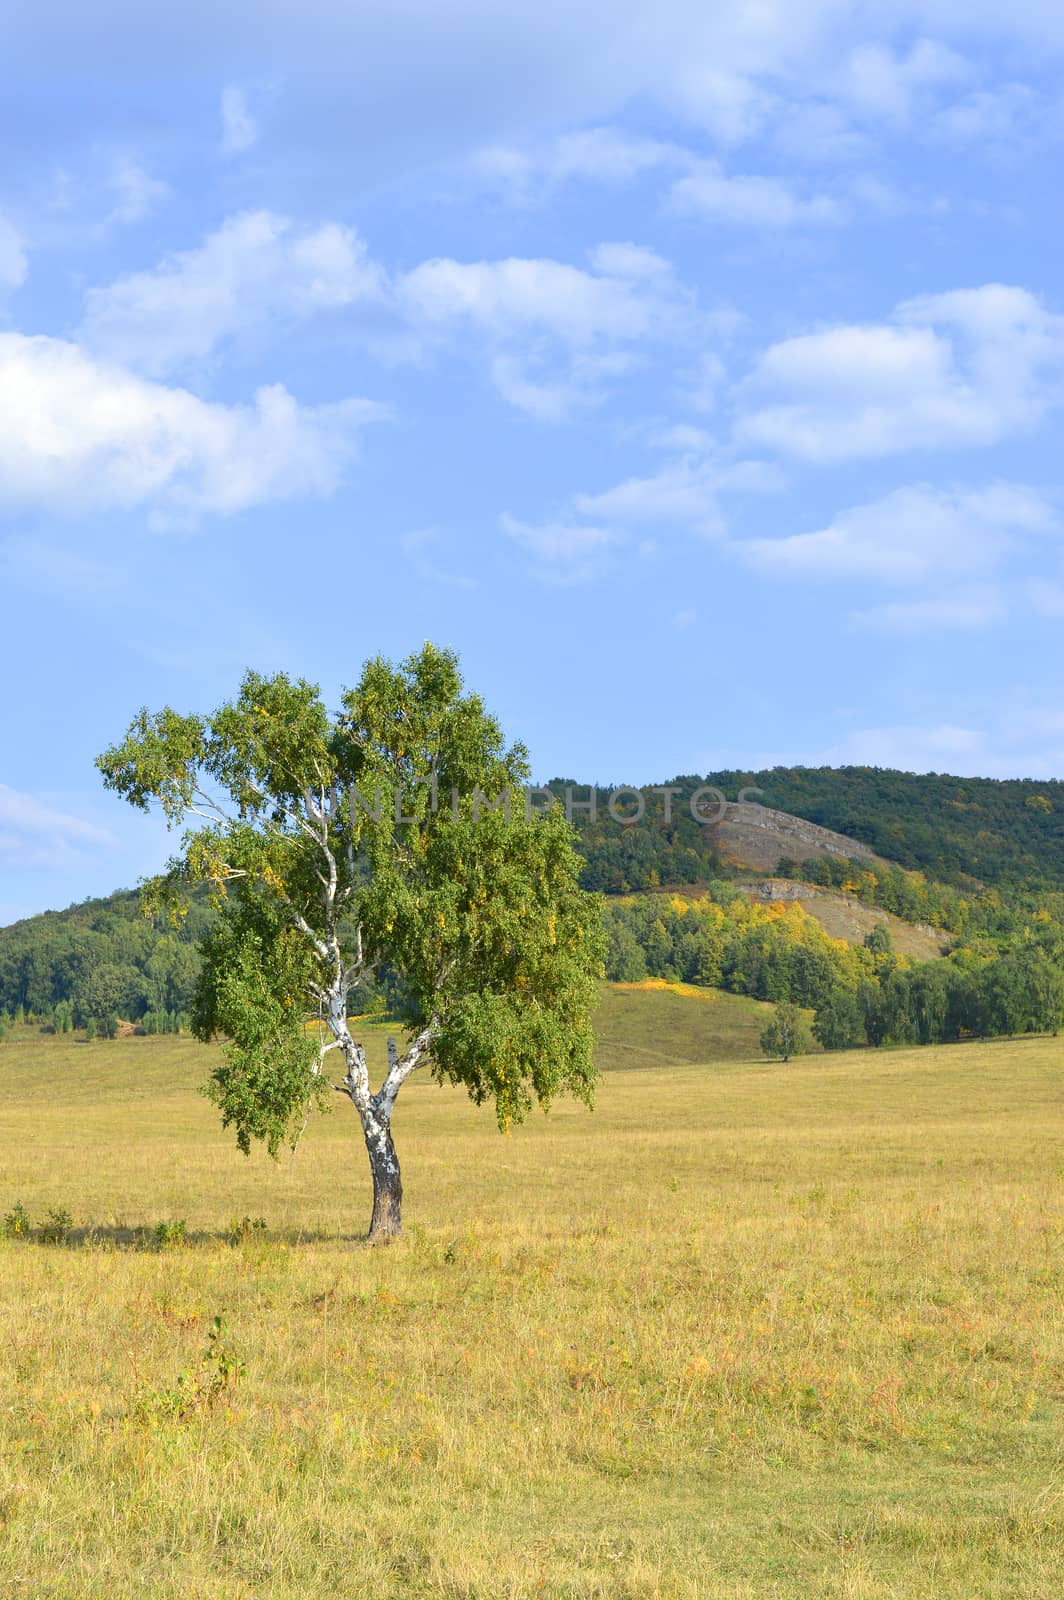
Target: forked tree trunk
(386, 1222)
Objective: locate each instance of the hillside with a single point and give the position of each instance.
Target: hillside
(963, 832)
(843, 917)
(928, 857)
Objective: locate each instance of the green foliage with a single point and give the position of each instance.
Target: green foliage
(255, 980)
(100, 958)
(16, 1224)
(722, 940)
(317, 880)
(786, 1035)
(241, 1228)
(215, 1379)
(56, 1226)
(839, 1023)
(169, 1235)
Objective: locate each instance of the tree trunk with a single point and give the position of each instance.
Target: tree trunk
(386, 1222)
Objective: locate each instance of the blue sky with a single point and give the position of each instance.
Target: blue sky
(695, 370)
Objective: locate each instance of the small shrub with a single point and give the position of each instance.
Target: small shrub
(168, 1235)
(219, 1372)
(16, 1225)
(56, 1226)
(241, 1228)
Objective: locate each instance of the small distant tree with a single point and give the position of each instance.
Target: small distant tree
(378, 839)
(787, 1034)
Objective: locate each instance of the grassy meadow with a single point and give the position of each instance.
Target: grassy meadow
(747, 1330)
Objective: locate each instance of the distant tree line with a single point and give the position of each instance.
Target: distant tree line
(860, 995)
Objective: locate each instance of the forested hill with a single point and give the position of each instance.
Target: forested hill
(103, 960)
(100, 960)
(962, 831)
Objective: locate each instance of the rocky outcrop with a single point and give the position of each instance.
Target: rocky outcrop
(758, 837)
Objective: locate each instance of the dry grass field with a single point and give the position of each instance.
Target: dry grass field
(745, 1332)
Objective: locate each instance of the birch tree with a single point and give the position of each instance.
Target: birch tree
(391, 836)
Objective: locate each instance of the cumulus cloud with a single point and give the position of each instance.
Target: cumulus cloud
(910, 535)
(950, 370)
(554, 335)
(529, 296)
(78, 434)
(258, 269)
(35, 834)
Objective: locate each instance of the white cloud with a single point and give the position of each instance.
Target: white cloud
(258, 269)
(35, 834)
(609, 156)
(527, 296)
(602, 155)
(885, 85)
(682, 620)
(138, 194)
(910, 535)
(963, 368)
(426, 80)
(685, 492)
(77, 434)
(967, 609)
(566, 552)
(1001, 115)
(752, 201)
(554, 335)
(13, 263)
(239, 128)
